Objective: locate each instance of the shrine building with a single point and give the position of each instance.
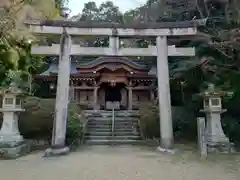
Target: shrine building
(107, 82)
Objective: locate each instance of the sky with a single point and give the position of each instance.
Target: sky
(76, 6)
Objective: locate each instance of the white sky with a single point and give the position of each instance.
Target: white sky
(76, 6)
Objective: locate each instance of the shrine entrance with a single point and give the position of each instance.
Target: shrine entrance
(113, 95)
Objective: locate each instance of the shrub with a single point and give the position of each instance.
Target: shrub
(37, 121)
(231, 127)
(184, 122)
(75, 125)
(149, 120)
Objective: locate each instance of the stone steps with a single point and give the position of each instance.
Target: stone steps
(116, 119)
(116, 124)
(113, 142)
(123, 137)
(102, 113)
(109, 133)
(94, 129)
(99, 128)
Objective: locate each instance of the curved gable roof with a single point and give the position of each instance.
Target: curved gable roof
(121, 60)
(53, 69)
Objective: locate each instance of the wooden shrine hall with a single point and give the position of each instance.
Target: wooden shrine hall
(107, 82)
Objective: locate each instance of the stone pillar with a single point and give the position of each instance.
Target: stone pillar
(130, 98)
(202, 145)
(62, 99)
(95, 98)
(166, 128)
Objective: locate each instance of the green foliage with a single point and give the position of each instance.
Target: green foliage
(107, 11)
(16, 62)
(61, 3)
(184, 122)
(149, 120)
(37, 121)
(231, 128)
(75, 125)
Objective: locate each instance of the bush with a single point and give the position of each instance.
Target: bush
(37, 121)
(149, 120)
(231, 128)
(75, 125)
(184, 122)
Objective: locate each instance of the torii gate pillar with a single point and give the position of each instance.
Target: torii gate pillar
(58, 146)
(165, 115)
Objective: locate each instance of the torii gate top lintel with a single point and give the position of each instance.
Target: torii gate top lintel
(96, 24)
(106, 28)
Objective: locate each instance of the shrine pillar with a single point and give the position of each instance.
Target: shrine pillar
(95, 97)
(62, 98)
(130, 98)
(164, 100)
(152, 95)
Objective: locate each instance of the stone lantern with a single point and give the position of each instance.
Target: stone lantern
(212, 107)
(11, 142)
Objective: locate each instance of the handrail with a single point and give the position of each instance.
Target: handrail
(113, 121)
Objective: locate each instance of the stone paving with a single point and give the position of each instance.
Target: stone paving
(120, 163)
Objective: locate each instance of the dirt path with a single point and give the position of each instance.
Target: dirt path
(119, 163)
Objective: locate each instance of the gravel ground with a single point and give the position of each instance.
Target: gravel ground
(120, 163)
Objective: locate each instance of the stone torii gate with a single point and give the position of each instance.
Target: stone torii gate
(161, 31)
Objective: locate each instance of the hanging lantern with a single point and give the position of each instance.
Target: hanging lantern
(52, 86)
(113, 83)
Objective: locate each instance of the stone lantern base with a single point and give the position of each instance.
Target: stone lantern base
(12, 144)
(13, 150)
(215, 138)
(220, 147)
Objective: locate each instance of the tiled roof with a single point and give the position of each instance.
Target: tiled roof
(53, 67)
(124, 60)
(153, 71)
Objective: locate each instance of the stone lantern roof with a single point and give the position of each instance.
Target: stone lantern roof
(212, 91)
(12, 89)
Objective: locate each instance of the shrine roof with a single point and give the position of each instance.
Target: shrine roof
(95, 24)
(53, 69)
(89, 63)
(153, 72)
(101, 60)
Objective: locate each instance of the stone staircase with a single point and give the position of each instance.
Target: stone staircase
(99, 128)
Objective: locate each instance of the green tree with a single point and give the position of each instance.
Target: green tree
(110, 12)
(16, 61)
(90, 12)
(107, 11)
